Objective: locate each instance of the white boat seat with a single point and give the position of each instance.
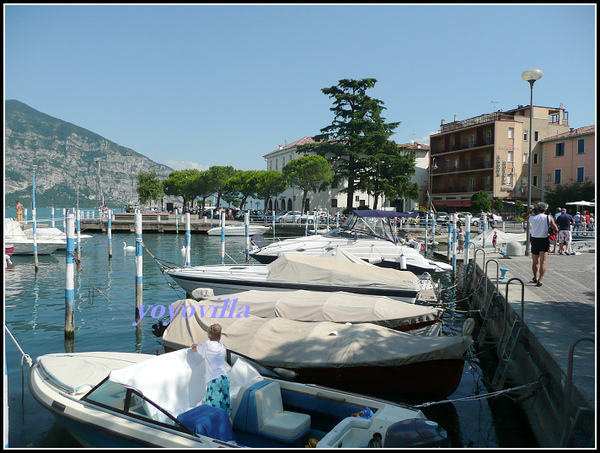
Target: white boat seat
(263, 409)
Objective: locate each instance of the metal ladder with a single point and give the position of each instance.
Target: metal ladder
(506, 349)
(487, 315)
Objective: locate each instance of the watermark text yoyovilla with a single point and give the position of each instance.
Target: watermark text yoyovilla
(228, 309)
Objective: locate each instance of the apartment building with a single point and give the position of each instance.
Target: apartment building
(332, 200)
(569, 157)
(490, 152)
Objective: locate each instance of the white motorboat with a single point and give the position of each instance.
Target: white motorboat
(22, 245)
(239, 230)
(55, 234)
(335, 271)
(113, 399)
(317, 306)
(368, 235)
(348, 357)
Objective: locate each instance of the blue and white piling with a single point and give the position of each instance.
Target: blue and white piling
(34, 214)
(109, 233)
(188, 240)
(454, 243)
(70, 279)
(139, 275)
(247, 234)
(222, 222)
(467, 241)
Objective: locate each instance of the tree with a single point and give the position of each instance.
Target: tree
(269, 183)
(498, 204)
(357, 132)
(180, 184)
(219, 175)
(480, 202)
(149, 188)
(308, 173)
(202, 186)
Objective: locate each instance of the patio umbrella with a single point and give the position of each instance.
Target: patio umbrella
(582, 203)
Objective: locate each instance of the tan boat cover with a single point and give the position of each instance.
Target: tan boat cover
(316, 306)
(338, 270)
(281, 342)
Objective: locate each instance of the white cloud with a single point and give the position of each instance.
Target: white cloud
(185, 165)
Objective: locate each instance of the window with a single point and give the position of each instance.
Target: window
(537, 136)
(535, 181)
(557, 176)
(580, 174)
(535, 158)
(510, 156)
(334, 203)
(560, 149)
(511, 132)
(580, 146)
(525, 136)
(525, 158)
(471, 141)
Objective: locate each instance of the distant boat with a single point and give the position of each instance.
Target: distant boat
(52, 233)
(23, 245)
(239, 230)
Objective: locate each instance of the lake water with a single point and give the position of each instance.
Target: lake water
(104, 312)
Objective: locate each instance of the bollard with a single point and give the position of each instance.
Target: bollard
(188, 240)
(109, 233)
(69, 280)
(139, 273)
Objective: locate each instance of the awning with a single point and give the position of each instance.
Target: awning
(454, 203)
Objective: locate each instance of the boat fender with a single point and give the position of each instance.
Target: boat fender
(468, 327)
(375, 259)
(285, 373)
(415, 432)
(402, 262)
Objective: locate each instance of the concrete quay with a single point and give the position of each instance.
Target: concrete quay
(556, 345)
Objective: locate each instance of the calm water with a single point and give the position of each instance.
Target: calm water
(104, 310)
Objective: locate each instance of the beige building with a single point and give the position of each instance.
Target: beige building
(569, 157)
(332, 200)
(490, 152)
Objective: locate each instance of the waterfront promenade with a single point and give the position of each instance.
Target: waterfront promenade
(556, 316)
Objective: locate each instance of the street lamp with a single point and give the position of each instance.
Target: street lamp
(531, 75)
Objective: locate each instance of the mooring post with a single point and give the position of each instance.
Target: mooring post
(222, 220)
(139, 275)
(454, 243)
(467, 241)
(426, 228)
(484, 226)
(79, 237)
(109, 233)
(247, 234)
(34, 216)
(177, 221)
(449, 238)
(188, 240)
(52, 217)
(69, 280)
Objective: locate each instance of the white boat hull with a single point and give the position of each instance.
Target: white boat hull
(239, 230)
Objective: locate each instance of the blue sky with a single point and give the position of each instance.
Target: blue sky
(193, 86)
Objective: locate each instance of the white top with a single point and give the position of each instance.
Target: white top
(214, 353)
(539, 225)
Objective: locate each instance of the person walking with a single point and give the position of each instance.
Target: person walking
(540, 223)
(564, 222)
(577, 220)
(586, 221)
(460, 236)
(19, 211)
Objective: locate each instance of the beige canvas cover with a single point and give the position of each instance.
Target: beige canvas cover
(339, 306)
(338, 270)
(281, 342)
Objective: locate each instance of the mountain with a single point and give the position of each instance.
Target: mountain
(65, 156)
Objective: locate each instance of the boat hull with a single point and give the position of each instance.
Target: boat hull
(238, 230)
(236, 283)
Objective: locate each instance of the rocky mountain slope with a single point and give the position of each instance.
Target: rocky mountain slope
(66, 155)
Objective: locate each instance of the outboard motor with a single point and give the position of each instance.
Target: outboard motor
(416, 433)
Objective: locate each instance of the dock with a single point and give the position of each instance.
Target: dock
(546, 335)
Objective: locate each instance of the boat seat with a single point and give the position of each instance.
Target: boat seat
(260, 411)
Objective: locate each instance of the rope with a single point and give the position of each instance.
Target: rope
(24, 356)
(477, 397)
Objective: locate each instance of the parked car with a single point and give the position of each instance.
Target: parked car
(476, 220)
(442, 217)
(289, 217)
(311, 216)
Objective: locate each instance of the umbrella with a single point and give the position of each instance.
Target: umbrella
(581, 203)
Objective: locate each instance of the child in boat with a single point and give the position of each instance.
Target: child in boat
(214, 352)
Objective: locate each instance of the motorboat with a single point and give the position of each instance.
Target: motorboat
(23, 245)
(348, 357)
(118, 399)
(239, 230)
(336, 270)
(368, 234)
(53, 233)
(317, 306)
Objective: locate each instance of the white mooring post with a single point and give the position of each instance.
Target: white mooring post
(454, 243)
(467, 241)
(109, 233)
(247, 234)
(69, 280)
(222, 220)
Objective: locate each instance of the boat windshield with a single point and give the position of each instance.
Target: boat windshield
(120, 398)
(365, 228)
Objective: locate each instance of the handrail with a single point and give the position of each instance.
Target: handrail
(506, 306)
